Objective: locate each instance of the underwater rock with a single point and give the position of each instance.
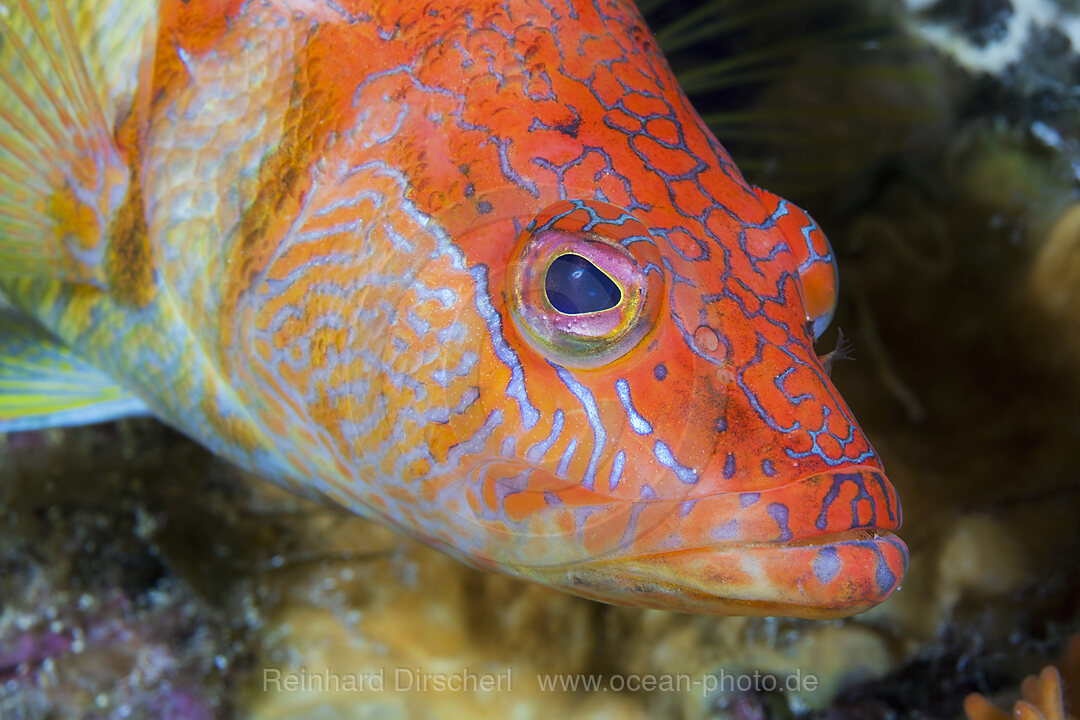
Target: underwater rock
(1054, 282)
(979, 559)
(990, 35)
(92, 624)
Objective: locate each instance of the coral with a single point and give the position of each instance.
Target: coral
(1044, 695)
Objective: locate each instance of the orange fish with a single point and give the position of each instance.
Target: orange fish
(476, 270)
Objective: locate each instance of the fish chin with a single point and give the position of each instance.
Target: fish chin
(824, 577)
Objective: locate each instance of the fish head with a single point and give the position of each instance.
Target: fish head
(581, 350)
(690, 451)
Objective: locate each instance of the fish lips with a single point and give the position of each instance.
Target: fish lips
(817, 548)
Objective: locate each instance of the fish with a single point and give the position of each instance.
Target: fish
(476, 271)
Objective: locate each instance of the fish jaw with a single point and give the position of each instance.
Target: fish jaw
(837, 557)
(776, 579)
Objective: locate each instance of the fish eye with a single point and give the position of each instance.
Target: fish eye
(583, 283)
(575, 286)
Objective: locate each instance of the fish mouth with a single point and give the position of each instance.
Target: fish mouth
(835, 555)
(826, 577)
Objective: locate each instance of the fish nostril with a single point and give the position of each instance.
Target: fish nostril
(706, 339)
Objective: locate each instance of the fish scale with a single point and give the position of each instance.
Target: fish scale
(328, 248)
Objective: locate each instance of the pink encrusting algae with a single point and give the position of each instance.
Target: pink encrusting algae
(474, 270)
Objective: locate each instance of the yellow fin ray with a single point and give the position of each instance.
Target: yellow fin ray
(45, 384)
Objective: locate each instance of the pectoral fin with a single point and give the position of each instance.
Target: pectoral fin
(63, 178)
(44, 384)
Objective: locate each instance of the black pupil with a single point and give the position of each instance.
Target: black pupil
(575, 286)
